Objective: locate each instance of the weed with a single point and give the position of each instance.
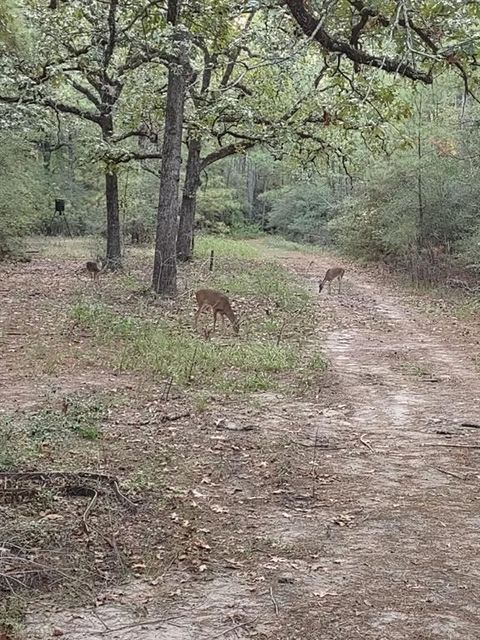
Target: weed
(413, 369)
(83, 418)
(12, 612)
(201, 402)
(25, 437)
(317, 362)
(468, 308)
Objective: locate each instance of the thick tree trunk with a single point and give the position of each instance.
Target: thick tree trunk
(114, 246)
(165, 262)
(189, 201)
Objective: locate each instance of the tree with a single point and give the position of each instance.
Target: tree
(83, 59)
(419, 48)
(165, 263)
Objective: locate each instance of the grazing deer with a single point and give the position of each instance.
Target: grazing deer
(336, 273)
(219, 304)
(93, 269)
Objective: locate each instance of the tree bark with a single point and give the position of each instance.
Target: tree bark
(165, 261)
(189, 201)
(114, 246)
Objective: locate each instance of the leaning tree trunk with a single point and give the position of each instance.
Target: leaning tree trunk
(165, 262)
(114, 245)
(189, 201)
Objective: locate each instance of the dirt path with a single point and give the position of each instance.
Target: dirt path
(381, 543)
(412, 552)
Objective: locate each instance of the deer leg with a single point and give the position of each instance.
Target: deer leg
(339, 285)
(199, 311)
(215, 313)
(223, 322)
(329, 287)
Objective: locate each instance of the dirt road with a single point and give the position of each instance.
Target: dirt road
(411, 554)
(373, 532)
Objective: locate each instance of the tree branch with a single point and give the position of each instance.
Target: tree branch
(224, 152)
(312, 28)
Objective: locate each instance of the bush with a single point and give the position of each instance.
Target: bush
(219, 209)
(300, 212)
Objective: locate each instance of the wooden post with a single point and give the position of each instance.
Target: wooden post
(211, 261)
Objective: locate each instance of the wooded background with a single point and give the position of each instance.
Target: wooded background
(346, 123)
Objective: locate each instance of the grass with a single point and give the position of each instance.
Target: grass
(29, 436)
(277, 242)
(418, 370)
(224, 247)
(12, 611)
(276, 314)
(166, 349)
(81, 248)
(468, 308)
(268, 281)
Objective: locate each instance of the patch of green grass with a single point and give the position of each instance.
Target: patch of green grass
(414, 369)
(270, 281)
(468, 308)
(317, 362)
(224, 247)
(81, 248)
(22, 436)
(169, 349)
(277, 242)
(12, 613)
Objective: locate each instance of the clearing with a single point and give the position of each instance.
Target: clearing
(276, 499)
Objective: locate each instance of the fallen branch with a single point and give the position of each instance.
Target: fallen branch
(450, 473)
(272, 598)
(472, 425)
(178, 416)
(87, 512)
(366, 443)
(318, 446)
(66, 475)
(280, 333)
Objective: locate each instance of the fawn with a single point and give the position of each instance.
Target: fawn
(219, 304)
(93, 269)
(330, 276)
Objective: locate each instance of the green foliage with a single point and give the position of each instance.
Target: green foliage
(300, 211)
(425, 195)
(23, 192)
(22, 437)
(218, 209)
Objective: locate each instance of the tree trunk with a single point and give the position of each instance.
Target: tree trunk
(189, 201)
(114, 246)
(165, 261)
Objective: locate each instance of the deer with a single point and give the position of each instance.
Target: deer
(93, 269)
(336, 273)
(219, 304)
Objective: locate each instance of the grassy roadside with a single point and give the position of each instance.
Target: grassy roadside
(157, 339)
